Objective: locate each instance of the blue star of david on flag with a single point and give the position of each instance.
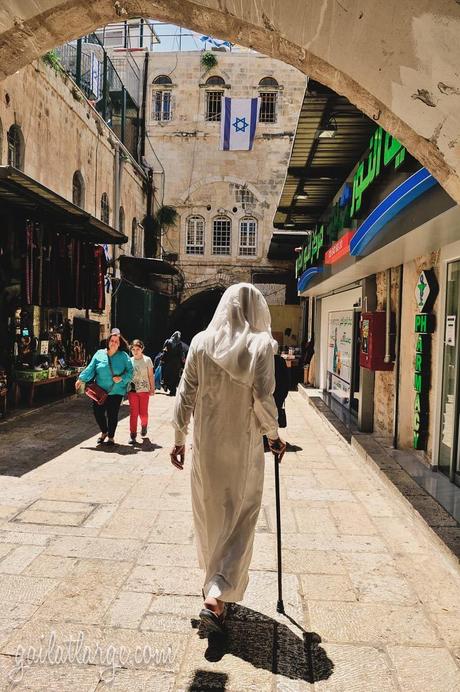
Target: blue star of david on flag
(238, 123)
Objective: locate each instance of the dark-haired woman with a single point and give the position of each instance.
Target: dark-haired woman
(142, 388)
(112, 369)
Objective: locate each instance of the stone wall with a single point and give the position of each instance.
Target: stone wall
(62, 134)
(202, 180)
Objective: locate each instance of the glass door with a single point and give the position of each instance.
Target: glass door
(449, 452)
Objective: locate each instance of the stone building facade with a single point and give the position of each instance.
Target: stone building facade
(66, 146)
(225, 199)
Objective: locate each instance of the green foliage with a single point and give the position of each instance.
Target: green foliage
(165, 217)
(208, 60)
(52, 59)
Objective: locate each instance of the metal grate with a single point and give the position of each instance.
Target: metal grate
(161, 106)
(213, 105)
(267, 113)
(248, 237)
(221, 236)
(194, 244)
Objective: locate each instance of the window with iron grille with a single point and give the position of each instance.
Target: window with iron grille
(78, 189)
(161, 105)
(15, 147)
(214, 105)
(194, 242)
(267, 112)
(248, 237)
(244, 196)
(221, 236)
(105, 210)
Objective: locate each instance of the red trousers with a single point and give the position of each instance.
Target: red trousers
(139, 408)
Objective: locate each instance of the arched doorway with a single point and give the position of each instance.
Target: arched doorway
(194, 314)
(406, 79)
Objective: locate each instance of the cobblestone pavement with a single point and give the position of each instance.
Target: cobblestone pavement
(96, 548)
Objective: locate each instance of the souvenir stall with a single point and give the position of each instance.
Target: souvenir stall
(53, 256)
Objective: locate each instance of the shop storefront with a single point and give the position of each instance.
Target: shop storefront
(53, 257)
(383, 267)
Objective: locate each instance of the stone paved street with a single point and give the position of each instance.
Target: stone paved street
(96, 545)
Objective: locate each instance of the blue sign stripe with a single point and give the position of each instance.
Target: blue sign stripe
(227, 118)
(397, 200)
(252, 131)
(307, 276)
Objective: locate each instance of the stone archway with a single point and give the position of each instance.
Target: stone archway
(398, 66)
(195, 313)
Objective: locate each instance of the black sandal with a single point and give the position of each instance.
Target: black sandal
(101, 439)
(212, 621)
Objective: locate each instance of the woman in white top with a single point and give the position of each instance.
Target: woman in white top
(228, 385)
(142, 387)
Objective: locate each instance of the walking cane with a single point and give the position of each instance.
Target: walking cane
(280, 604)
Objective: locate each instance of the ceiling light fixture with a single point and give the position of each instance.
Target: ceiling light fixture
(329, 129)
(302, 195)
(289, 225)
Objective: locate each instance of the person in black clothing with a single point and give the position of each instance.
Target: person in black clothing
(174, 356)
(280, 393)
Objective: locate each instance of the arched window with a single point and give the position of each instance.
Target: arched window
(221, 236)
(162, 79)
(78, 189)
(214, 93)
(268, 93)
(121, 220)
(248, 237)
(161, 99)
(15, 147)
(194, 241)
(105, 209)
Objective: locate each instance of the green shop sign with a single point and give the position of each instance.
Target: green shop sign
(312, 251)
(383, 150)
(424, 326)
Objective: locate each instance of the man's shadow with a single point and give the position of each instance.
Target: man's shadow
(267, 643)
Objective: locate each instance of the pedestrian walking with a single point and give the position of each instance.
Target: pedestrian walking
(142, 387)
(111, 369)
(228, 385)
(174, 357)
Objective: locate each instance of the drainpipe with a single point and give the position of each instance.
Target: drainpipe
(144, 106)
(397, 359)
(116, 200)
(387, 358)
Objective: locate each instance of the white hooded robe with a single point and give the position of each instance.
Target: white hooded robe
(228, 385)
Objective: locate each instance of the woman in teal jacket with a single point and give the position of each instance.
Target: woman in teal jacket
(113, 379)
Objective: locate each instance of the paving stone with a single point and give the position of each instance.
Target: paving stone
(312, 562)
(162, 580)
(171, 555)
(357, 668)
(138, 681)
(20, 558)
(378, 503)
(352, 519)
(316, 521)
(38, 678)
(448, 627)
(127, 522)
(383, 589)
(23, 538)
(371, 623)
(172, 527)
(78, 601)
(319, 494)
(435, 667)
(100, 571)
(6, 548)
(20, 589)
(50, 566)
(30, 516)
(353, 544)
(57, 506)
(128, 609)
(327, 587)
(102, 548)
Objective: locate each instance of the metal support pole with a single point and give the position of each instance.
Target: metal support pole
(123, 115)
(279, 604)
(105, 86)
(78, 63)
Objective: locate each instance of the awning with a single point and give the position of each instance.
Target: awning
(20, 190)
(283, 244)
(150, 273)
(146, 265)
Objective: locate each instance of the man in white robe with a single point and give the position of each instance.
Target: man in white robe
(228, 385)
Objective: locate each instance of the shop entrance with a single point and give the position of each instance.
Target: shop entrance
(342, 358)
(449, 447)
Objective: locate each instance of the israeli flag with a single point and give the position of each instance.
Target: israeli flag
(238, 123)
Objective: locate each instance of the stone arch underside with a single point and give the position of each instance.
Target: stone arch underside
(397, 66)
